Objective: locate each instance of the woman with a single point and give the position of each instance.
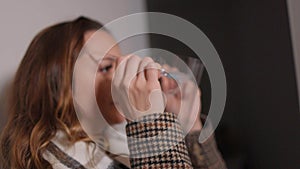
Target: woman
(43, 130)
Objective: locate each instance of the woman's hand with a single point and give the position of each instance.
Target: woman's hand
(136, 89)
(183, 100)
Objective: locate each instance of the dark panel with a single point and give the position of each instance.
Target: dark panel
(260, 126)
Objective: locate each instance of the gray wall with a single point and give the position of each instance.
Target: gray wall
(22, 20)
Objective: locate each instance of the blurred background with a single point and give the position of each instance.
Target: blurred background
(258, 42)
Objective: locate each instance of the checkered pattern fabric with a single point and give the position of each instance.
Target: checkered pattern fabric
(157, 141)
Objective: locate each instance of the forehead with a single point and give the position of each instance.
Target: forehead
(100, 43)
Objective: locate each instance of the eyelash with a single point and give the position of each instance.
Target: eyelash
(105, 69)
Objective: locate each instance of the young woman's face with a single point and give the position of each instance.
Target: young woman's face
(104, 76)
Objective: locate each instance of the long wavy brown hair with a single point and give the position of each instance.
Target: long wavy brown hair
(40, 102)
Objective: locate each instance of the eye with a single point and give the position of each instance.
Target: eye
(105, 69)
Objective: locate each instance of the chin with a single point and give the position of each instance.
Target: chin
(116, 121)
(117, 118)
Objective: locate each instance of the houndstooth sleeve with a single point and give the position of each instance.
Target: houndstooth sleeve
(157, 141)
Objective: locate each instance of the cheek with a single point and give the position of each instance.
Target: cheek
(105, 102)
(103, 90)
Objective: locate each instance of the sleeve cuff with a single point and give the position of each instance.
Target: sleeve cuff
(157, 137)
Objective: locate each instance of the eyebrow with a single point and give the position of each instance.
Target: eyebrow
(108, 56)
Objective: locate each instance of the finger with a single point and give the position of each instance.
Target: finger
(199, 92)
(195, 108)
(164, 81)
(174, 69)
(169, 68)
(131, 68)
(188, 90)
(143, 64)
(166, 67)
(152, 72)
(169, 85)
